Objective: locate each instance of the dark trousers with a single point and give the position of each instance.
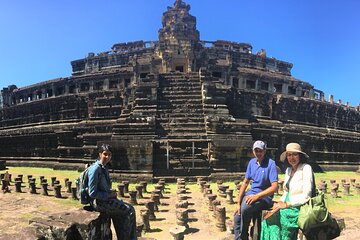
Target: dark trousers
(5, 186)
(122, 215)
(247, 212)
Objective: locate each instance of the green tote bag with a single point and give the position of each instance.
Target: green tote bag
(313, 213)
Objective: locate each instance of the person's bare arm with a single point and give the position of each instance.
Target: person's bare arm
(267, 192)
(241, 194)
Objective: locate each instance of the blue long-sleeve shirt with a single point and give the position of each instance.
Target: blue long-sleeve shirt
(99, 184)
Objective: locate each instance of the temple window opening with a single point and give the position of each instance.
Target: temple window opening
(235, 82)
(291, 90)
(216, 74)
(250, 84)
(265, 86)
(98, 86)
(84, 87)
(278, 87)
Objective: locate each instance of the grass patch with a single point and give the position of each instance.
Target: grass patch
(27, 216)
(44, 208)
(69, 202)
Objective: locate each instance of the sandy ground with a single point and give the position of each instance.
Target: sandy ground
(19, 208)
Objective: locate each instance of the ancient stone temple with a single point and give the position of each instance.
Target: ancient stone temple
(175, 106)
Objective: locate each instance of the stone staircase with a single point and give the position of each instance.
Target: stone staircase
(180, 112)
(180, 125)
(139, 116)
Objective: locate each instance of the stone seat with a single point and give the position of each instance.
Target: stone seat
(69, 225)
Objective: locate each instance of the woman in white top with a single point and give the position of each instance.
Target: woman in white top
(298, 189)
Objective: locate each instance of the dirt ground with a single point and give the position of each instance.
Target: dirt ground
(19, 208)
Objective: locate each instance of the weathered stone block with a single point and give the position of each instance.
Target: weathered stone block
(80, 225)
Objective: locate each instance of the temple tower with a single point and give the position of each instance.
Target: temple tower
(178, 39)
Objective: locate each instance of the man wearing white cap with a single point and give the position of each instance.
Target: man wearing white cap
(261, 170)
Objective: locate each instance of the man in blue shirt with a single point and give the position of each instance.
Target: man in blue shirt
(261, 170)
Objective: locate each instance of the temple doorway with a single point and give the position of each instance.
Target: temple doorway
(179, 68)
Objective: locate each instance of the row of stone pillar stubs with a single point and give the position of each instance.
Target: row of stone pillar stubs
(146, 214)
(334, 187)
(214, 202)
(136, 197)
(46, 186)
(182, 212)
(223, 191)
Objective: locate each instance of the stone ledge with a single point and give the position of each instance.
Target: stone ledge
(81, 224)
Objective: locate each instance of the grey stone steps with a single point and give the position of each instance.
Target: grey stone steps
(135, 125)
(181, 120)
(172, 118)
(179, 113)
(180, 89)
(179, 93)
(186, 112)
(145, 107)
(165, 103)
(191, 100)
(173, 105)
(145, 101)
(180, 102)
(182, 135)
(186, 132)
(181, 84)
(144, 112)
(180, 110)
(184, 125)
(134, 128)
(172, 82)
(183, 111)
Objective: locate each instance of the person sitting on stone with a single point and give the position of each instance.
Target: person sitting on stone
(262, 171)
(6, 182)
(298, 189)
(103, 199)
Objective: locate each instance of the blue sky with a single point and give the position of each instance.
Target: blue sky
(39, 39)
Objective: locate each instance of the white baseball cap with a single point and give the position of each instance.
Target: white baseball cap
(259, 144)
